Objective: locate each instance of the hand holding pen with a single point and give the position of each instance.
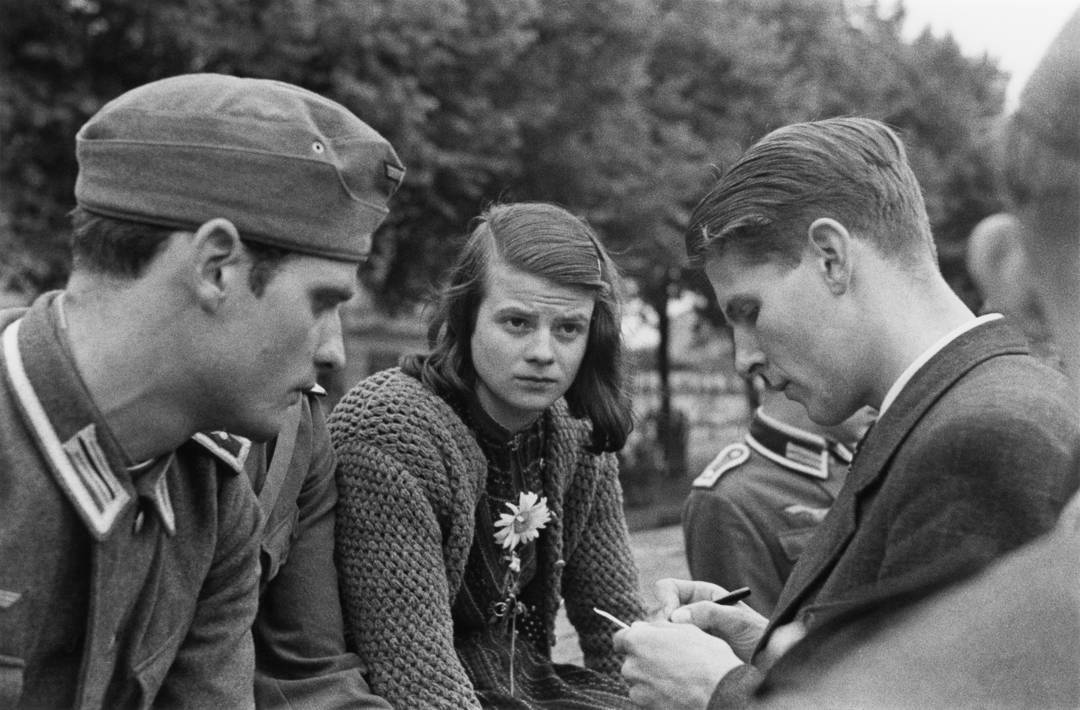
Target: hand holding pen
(688, 602)
(709, 607)
(732, 597)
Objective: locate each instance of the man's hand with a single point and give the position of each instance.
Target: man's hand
(674, 593)
(686, 602)
(672, 666)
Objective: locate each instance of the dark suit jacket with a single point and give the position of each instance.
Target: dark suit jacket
(977, 455)
(1007, 638)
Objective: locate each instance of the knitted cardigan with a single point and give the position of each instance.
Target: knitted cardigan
(410, 474)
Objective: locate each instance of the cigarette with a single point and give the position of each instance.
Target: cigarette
(612, 618)
(734, 596)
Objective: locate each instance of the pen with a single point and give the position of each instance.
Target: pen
(736, 595)
(612, 618)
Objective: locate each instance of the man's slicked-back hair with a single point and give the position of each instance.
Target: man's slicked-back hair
(546, 241)
(853, 170)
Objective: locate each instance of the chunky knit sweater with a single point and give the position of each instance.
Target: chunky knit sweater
(410, 475)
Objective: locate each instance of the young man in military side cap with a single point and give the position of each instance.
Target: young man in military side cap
(219, 225)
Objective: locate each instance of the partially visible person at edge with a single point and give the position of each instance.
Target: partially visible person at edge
(219, 226)
(819, 248)
(301, 659)
(995, 262)
(755, 507)
(479, 485)
(1010, 637)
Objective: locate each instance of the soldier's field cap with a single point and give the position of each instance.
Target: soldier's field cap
(288, 167)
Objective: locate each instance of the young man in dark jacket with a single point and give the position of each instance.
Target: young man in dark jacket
(819, 249)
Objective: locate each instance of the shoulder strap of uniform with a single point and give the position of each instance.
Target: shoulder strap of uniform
(729, 457)
(231, 449)
(278, 470)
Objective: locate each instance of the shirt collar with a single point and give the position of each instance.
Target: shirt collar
(929, 353)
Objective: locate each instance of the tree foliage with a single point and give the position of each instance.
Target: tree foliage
(613, 108)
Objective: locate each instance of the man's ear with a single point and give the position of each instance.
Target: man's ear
(218, 252)
(830, 243)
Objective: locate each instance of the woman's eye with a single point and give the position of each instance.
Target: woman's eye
(573, 329)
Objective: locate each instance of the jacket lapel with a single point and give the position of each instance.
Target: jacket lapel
(871, 462)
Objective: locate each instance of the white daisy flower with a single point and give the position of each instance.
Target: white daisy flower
(524, 523)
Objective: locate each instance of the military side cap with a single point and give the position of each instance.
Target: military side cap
(288, 167)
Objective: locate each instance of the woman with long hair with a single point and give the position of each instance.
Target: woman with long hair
(479, 485)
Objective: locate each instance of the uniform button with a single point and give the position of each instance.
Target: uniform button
(140, 519)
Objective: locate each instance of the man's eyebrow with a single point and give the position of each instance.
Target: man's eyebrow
(332, 293)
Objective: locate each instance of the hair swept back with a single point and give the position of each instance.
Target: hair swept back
(546, 241)
(854, 170)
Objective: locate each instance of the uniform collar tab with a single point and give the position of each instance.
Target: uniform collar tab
(791, 447)
(229, 448)
(79, 464)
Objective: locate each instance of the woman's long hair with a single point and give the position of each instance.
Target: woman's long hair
(548, 242)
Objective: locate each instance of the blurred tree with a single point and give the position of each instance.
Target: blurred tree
(615, 109)
(725, 73)
(61, 60)
(437, 79)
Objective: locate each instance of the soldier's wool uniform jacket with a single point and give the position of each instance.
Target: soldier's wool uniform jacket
(754, 508)
(299, 632)
(117, 589)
